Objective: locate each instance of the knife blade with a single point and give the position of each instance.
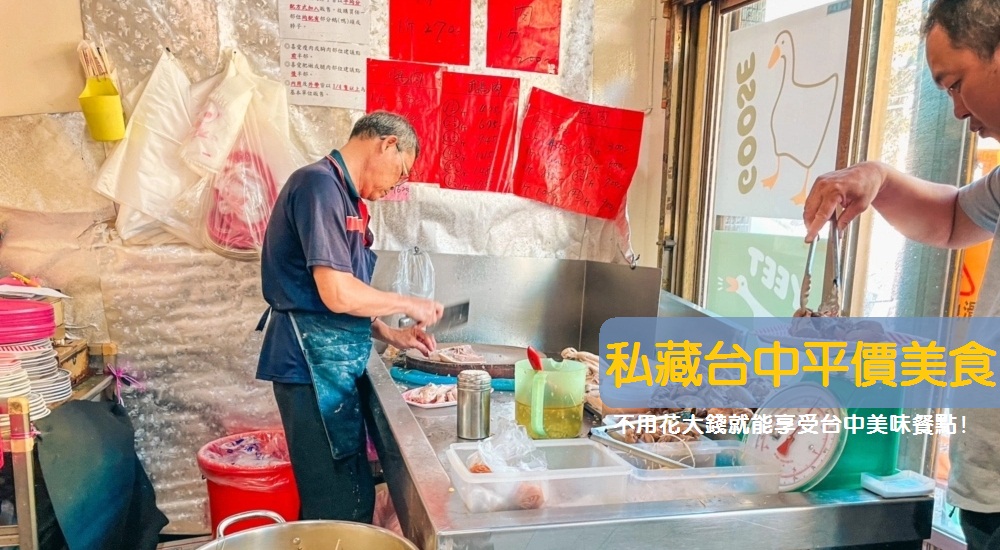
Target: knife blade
(454, 316)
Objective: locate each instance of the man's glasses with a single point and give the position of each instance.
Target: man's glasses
(404, 172)
(404, 175)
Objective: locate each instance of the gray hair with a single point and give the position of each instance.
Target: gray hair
(379, 124)
(970, 24)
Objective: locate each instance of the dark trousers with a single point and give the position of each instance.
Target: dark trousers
(328, 489)
(982, 531)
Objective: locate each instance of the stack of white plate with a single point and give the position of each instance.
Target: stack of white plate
(36, 408)
(13, 379)
(40, 361)
(33, 345)
(55, 388)
(14, 382)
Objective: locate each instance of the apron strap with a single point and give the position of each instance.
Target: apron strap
(263, 320)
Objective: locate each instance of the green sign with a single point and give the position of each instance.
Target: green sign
(754, 275)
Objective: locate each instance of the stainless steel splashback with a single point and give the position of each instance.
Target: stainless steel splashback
(549, 304)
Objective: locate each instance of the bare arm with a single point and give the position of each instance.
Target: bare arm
(922, 211)
(342, 292)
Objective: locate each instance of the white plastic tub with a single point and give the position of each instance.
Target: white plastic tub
(580, 472)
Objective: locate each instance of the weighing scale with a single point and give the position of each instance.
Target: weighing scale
(822, 460)
(806, 457)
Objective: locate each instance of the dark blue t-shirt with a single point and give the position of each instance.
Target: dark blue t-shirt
(317, 220)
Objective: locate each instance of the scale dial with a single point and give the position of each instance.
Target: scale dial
(805, 458)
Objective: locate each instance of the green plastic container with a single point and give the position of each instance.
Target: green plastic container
(864, 453)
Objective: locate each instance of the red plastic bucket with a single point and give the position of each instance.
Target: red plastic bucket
(249, 471)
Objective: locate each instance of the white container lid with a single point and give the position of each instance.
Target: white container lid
(904, 484)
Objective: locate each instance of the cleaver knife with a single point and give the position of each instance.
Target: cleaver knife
(454, 316)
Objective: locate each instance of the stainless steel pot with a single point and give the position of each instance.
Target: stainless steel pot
(305, 535)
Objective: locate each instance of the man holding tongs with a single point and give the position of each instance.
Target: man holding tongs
(963, 53)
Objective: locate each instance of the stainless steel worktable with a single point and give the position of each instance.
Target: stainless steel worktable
(411, 443)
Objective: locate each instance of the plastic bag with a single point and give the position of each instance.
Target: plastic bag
(256, 461)
(219, 122)
(415, 276)
(510, 450)
(385, 513)
(145, 171)
(245, 156)
(239, 199)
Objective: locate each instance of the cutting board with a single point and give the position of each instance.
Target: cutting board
(498, 361)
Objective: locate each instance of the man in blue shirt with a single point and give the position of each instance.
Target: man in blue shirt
(316, 268)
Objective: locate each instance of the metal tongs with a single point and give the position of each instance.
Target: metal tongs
(830, 306)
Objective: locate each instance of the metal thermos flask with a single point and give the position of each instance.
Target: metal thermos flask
(474, 388)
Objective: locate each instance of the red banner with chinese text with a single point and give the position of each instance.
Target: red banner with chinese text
(412, 90)
(523, 35)
(478, 120)
(577, 156)
(430, 31)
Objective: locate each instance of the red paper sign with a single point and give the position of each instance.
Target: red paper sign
(414, 91)
(430, 31)
(478, 118)
(523, 35)
(577, 156)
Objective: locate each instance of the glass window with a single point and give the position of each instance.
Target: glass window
(780, 97)
(919, 135)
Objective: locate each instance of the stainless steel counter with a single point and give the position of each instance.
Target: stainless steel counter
(411, 442)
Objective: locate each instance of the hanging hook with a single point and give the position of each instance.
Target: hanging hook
(631, 259)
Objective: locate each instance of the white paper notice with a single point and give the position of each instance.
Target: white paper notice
(328, 74)
(325, 20)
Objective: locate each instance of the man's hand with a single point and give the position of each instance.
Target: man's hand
(409, 338)
(424, 312)
(854, 188)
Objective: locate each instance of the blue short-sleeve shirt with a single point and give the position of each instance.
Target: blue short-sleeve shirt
(317, 220)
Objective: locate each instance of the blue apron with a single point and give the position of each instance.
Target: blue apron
(337, 355)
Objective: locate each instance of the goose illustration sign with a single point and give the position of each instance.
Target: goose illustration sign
(780, 111)
(755, 275)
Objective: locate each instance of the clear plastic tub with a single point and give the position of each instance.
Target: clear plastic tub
(722, 470)
(702, 454)
(580, 472)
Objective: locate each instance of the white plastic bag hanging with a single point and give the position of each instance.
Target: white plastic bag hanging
(239, 194)
(415, 276)
(219, 122)
(145, 171)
